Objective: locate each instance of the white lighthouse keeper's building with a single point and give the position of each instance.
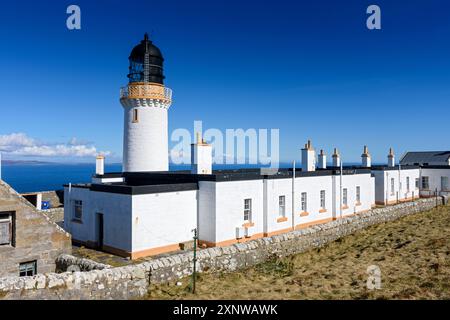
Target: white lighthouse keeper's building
(145, 102)
(147, 210)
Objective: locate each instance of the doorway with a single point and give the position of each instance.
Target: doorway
(100, 230)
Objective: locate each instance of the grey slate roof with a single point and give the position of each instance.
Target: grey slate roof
(425, 157)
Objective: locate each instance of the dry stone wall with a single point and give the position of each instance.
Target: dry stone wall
(133, 281)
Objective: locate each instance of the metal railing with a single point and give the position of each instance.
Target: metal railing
(146, 91)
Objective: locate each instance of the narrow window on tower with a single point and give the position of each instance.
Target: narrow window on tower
(135, 116)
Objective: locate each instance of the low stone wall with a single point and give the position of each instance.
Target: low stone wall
(55, 215)
(56, 198)
(132, 281)
(67, 262)
(117, 283)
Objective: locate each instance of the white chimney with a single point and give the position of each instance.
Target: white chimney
(201, 157)
(322, 160)
(308, 157)
(365, 157)
(100, 165)
(391, 158)
(336, 158)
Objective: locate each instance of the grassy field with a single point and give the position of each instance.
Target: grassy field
(413, 254)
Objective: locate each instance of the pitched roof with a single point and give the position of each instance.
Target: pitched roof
(422, 157)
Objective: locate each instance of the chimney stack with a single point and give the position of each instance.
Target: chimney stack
(336, 158)
(322, 160)
(308, 157)
(366, 160)
(391, 158)
(201, 156)
(100, 165)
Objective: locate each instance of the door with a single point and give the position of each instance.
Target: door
(100, 230)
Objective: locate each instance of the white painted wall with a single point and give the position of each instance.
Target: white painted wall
(221, 204)
(145, 144)
(350, 182)
(163, 219)
(201, 158)
(434, 176)
(116, 209)
(275, 189)
(207, 211)
(383, 192)
(229, 207)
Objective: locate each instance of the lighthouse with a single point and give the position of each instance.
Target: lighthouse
(145, 102)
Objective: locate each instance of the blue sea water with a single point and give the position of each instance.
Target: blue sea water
(45, 177)
(52, 176)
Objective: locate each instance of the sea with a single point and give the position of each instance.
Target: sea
(52, 176)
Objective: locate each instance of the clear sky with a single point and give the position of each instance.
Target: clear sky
(310, 68)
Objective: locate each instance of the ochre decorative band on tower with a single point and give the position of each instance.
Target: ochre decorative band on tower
(141, 90)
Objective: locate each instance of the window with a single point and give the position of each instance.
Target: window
(417, 183)
(392, 186)
(344, 197)
(7, 228)
(322, 199)
(358, 194)
(248, 210)
(282, 206)
(78, 210)
(407, 184)
(425, 183)
(304, 202)
(28, 269)
(135, 115)
(444, 184)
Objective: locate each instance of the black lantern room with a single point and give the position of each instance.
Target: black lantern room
(146, 63)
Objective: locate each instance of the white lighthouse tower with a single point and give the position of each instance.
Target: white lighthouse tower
(145, 101)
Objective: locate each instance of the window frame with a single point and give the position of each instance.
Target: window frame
(446, 185)
(30, 268)
(425, 186)
(304, 201)
(77, 204)
(323, 198)
(135, 115)
(358, 194)
(344, 197)
(282, 206)
(392, 187)
(407, 184)
(9, 218)
(248, 210)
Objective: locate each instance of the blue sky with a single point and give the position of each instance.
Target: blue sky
(310, 68)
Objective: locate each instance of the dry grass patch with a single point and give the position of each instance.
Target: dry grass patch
(413, 254)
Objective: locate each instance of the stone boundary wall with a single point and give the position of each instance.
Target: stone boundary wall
(133, 281)
(56, 198)
(67, 262)
(56, 215)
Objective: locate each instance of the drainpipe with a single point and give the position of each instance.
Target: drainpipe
(340, 191)
(293, 195)
(399, 180)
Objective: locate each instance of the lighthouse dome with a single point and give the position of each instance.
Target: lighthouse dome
(146, 63)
